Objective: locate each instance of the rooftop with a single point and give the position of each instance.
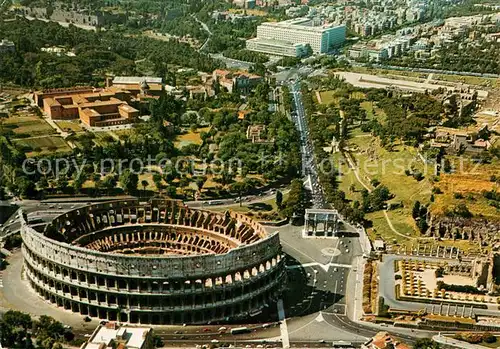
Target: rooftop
(136, 80)
(132, 337)
(303, 23)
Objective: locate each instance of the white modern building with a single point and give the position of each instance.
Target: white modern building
(112, 336)
(291, 37)
(7, 46)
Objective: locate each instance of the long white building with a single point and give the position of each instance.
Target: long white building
(291, 37)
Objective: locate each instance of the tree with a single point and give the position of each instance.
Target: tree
(308, 50)
(2, 193)
(78, 184)
(158, 181)
(279, 199)
(296, 202)
(109, 183)
(240, 188)
(14, 328)
(27, 188)
(144, 184)
(416, 210)
(129, 181)
(171, 191)
(422, 225)
(426, 343)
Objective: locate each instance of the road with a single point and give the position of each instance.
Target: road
(309, 167)
(207, 29)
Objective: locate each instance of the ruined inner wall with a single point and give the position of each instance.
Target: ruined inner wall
(459, 228)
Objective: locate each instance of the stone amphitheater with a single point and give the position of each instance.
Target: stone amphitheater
(155, 262)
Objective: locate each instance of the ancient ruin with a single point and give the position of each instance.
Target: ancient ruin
(158, 262)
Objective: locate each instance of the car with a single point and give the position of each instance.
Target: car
(214, 341)
(177, 332)
(206, 330)
(222, 329)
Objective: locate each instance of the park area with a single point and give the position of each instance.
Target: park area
(375, 163)
(393, 166)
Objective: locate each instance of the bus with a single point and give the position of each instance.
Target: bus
(240, 330)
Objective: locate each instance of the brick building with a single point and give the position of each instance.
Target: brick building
(240, 81)
(100, 107)
(119, 103)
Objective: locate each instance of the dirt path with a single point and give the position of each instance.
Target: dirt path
(318, 96)
(354, 169)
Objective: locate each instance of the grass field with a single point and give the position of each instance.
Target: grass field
(373, 111)
(328, 97)
(376, 71)
(43, 145)
(253, 12)
(470, 80)
(24, 123)
(190, 137)
(465, 186)
(70, 126)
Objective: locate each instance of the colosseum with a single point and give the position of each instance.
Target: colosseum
(156, 262)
